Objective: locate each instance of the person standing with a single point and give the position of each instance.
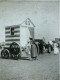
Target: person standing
(28, 50)
(41, 46)
(34, 50)
(49, 48)
(56, 51)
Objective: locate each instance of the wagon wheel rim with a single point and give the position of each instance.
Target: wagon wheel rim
(5, 54)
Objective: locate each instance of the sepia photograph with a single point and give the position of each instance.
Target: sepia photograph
(29, 39)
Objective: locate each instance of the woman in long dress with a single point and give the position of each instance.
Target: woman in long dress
(31, 50)
(56, 50)
(34, 50)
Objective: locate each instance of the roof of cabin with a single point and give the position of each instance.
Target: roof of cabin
(27, 23)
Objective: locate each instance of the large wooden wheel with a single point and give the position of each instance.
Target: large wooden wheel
(14, 50)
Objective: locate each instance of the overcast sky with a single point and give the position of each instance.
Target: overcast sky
(44, 15)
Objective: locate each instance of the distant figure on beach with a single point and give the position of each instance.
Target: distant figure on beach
(56, 50)
(41, 47)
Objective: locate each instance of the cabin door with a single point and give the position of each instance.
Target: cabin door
(31, 30)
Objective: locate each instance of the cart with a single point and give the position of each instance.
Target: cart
(16, 37)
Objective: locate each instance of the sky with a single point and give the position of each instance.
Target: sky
(44, 15)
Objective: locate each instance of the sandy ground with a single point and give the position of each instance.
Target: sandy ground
(45, 68)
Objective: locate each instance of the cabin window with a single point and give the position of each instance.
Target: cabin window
(12, 30)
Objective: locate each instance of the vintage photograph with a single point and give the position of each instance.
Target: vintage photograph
(29, 39)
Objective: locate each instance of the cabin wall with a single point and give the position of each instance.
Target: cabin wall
(15, 37)
(24, 35)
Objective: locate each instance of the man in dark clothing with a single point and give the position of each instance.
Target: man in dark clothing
(41, 46)
(49, 48)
